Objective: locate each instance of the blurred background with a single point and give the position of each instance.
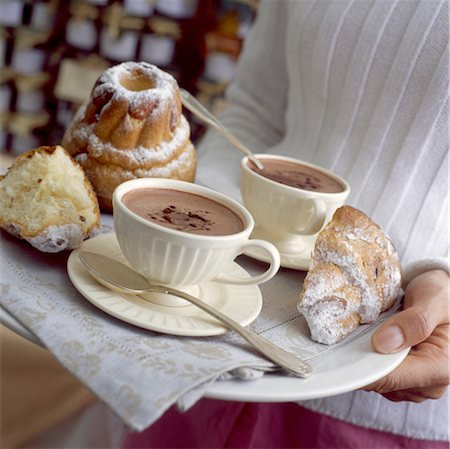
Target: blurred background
(52, 51)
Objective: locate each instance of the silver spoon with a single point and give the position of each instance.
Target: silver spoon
(121, 278)
(191, 103)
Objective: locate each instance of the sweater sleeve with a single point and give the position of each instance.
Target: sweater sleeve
(256, 99)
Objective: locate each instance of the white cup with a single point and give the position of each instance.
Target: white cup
(171, 257)
(285, 215)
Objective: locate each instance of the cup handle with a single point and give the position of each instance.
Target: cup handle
(274, 266)
(317, 219)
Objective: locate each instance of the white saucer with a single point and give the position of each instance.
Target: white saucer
(242, 303)
(297, 261)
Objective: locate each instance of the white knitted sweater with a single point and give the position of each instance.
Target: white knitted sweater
(359, 87)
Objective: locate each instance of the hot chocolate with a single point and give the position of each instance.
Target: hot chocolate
(297, 175)
(183, 211)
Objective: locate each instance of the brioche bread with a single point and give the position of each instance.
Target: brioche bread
(354, 276)
(46, 199)
(131, 127)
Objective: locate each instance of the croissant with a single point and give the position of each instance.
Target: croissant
(354, 275)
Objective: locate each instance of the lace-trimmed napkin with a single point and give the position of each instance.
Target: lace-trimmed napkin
(137, 372)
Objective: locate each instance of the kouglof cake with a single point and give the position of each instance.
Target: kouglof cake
(354, 276)
(131, 127)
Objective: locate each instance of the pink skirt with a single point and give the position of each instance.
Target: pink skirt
(220, 424)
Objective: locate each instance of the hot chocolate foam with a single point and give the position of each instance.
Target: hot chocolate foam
(297, 175)
(183, 211)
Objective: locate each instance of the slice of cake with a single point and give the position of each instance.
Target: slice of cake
(46, 199)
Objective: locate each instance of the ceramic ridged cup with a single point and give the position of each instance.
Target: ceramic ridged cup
(176, 258)
(284, 215)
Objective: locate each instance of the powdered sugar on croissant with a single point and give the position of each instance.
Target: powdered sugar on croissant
(354, 276)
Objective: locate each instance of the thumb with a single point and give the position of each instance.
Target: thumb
(426, 307)
(408, 328)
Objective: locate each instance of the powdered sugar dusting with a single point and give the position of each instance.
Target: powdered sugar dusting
(334, 316)
(370, 302)
(158, 88)
(53, 239)
(161, 92)
(354, 276)
(131, 127)
(167, 171)
(321, 284)
(328, 318)
(137, 157)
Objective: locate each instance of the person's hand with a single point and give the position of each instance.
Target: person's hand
(423, 325)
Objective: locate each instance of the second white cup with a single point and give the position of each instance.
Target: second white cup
(290, 199)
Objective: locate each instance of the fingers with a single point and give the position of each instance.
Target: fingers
(414, 372)
(416, 394)
(423, 374)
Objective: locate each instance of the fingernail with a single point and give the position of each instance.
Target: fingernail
(388, 340)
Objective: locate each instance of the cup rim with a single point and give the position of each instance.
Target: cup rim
(190, 187)
(327, 172)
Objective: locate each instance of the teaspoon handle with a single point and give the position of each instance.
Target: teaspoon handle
(285, 359)
(191, 103)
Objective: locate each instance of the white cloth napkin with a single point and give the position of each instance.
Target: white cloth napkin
(137, 372)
